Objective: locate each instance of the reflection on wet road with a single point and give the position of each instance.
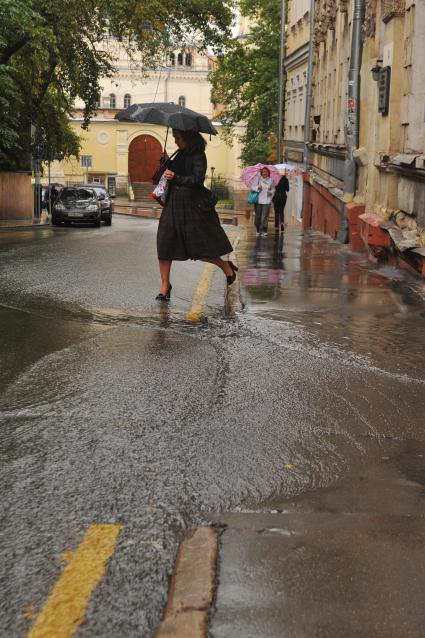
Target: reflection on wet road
(118, 412)
(337, 296)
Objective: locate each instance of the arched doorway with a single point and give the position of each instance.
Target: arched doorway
(143, 158)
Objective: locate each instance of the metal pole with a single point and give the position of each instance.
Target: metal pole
(353, 107)
(281, 82)
(37, 186)
(309, 85)
(49, 190)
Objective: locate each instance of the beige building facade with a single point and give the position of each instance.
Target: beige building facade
(296, 69)
(182, 79)
(392, 143)
(387, 210)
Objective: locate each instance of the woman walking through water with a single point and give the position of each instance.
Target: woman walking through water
(189, 227)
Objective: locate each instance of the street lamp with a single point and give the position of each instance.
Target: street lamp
(212, 176)
(376, 70)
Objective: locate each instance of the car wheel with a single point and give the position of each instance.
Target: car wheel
(55, 221)
(98, 222)
(108, 219)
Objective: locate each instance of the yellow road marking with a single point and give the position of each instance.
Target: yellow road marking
(65, 608)
(201, 293)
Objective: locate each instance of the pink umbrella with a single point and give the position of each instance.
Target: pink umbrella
(250, 174)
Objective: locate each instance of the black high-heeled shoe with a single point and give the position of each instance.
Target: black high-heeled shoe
(231, 278)
(166, 297)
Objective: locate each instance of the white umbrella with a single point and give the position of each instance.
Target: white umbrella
(286, 167)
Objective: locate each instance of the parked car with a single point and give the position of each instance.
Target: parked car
(78, 204)
(105, 202)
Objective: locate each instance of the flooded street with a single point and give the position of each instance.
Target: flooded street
(117, 410)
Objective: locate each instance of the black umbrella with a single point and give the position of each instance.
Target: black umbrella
(167, 114)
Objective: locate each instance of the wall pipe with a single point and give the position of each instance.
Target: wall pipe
(307, 118)
(353, 106)
(282, 48)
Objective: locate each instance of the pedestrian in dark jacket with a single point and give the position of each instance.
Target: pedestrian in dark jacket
(279, 201)
(189, 227)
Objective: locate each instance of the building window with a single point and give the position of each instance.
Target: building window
(172, 59)
(96, 179)
(86, 161)
(97, 105)
(180, 59)
(188, 59)
(127, 100)
(182, 100)
(112, 101)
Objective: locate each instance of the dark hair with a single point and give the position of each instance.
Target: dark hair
(194, 140)
(265, 169)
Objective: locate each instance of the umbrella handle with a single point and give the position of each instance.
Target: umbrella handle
(165, 143)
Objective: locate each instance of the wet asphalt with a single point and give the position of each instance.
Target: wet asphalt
(115, 409)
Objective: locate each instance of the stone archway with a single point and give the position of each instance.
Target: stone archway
(143, 158)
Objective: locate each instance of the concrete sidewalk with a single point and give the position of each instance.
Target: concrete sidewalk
(342, 562)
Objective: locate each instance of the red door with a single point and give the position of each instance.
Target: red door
(143, 158)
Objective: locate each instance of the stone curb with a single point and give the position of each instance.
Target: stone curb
(25, 226)
(192, 586)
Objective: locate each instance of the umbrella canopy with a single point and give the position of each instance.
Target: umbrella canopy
(251, 173)
(167, 114)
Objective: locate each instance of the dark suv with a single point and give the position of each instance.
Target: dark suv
(80, 204)
(105, 202)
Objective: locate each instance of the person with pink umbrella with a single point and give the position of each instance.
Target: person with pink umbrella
(265, 189)
(262, 180)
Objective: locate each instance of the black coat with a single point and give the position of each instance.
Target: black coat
(193, 171)
(189, 227)
(281, 189)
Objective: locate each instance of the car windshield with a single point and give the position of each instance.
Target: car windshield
(74, 194)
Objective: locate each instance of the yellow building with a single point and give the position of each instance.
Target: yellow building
(120, 154)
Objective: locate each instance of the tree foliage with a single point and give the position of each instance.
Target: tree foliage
(55, 51)
(246, 82)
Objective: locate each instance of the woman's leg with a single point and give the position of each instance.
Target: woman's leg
(278, 213)
(164, 269)
(257, 208)
(265, 217)
(221, 263)
(283, 214)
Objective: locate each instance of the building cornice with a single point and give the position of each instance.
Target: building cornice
(294, 144)
(409, 165)
(297, 57)
(331, 150)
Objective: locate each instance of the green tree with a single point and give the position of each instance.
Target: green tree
(54, 51)
(245, 81)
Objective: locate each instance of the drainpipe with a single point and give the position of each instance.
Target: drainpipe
(281, 82)
(353, 120)
(309, 85)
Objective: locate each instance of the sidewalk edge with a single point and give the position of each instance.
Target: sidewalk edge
(192, 586)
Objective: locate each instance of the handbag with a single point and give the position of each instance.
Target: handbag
(206, 199)
(253, 197)
(160, 191)
(162, 167)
